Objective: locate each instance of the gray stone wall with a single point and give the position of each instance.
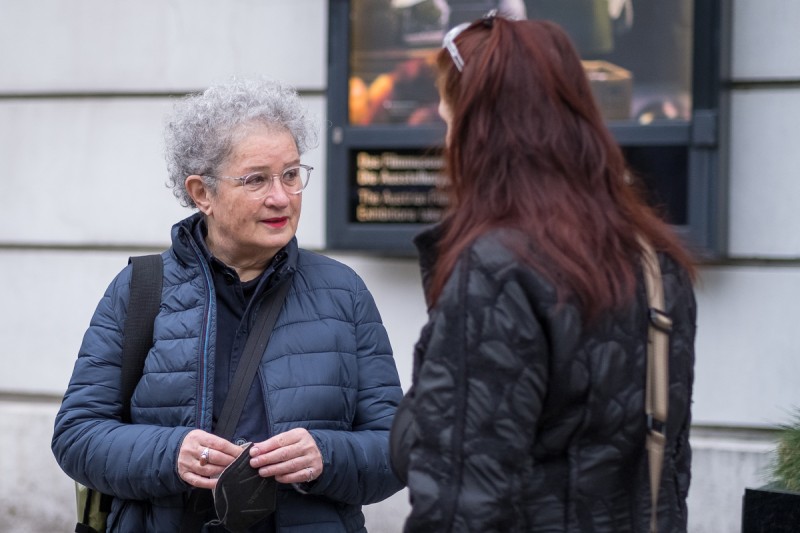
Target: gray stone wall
(83, 88)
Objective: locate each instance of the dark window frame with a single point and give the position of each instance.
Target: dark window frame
(704, 136)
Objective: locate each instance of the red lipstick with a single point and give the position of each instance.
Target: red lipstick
(277, 222)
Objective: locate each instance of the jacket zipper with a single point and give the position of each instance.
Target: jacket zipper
(202, 362)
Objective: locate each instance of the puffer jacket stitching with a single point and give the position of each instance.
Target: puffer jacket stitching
(201, 421)
(462, 376)
(176, 278)
(679, 291)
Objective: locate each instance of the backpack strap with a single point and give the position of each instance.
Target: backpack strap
(137, 337)
(657, 386)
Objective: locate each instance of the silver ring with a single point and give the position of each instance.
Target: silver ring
(204, 457)
(310, 474)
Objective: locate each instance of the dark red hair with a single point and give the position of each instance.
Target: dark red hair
(528, 149)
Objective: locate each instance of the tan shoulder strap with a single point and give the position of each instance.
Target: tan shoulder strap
(657, 388)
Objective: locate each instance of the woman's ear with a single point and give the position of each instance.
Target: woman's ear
(201, 195)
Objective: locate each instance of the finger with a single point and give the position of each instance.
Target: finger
(226, 447)
(199, 481)
(293, 443)
(297, 450)
(273, 443)
(205, 455)
(294, 467)
(304, 475)
(210, 456)
(278, 457)
(188, 454)
(220, 452)
(281, 468)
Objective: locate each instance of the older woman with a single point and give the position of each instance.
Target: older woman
(326, 388)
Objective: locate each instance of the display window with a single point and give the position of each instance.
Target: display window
(654, 72)
(637, 55)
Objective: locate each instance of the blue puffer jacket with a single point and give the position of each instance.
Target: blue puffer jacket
(328, 368)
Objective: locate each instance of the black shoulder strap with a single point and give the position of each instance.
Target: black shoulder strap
(137, 338)
(200, 500)
(253, 352)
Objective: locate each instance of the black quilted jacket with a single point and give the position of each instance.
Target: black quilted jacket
(523, 419)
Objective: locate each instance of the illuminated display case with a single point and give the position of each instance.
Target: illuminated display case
(654, 68)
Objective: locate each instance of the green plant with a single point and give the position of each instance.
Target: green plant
(786, 467)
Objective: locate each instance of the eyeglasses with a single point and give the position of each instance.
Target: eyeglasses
(449, 40)
(258, 184)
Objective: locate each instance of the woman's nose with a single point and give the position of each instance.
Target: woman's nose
(277, 194)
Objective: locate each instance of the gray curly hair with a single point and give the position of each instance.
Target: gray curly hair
(204, 127)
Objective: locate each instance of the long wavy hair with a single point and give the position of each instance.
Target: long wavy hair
(528, 149)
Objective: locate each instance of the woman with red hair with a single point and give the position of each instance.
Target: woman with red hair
(527, 406)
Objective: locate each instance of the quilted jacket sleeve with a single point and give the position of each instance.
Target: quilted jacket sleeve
(356, 463)
(479, 393)
(90, 442)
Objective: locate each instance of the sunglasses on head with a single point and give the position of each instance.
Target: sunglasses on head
(449, 41)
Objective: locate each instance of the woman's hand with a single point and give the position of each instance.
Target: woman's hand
(203, 457)
(292, 457)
